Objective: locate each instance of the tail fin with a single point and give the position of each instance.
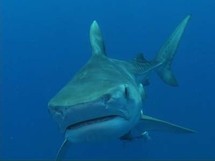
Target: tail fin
(167, 53)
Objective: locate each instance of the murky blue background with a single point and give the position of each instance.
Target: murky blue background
(44, 42)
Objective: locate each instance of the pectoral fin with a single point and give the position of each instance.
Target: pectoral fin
(62, 150)
(149, 123)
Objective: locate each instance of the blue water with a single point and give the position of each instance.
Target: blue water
(44, 42)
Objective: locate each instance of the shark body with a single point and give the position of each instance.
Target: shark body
(104, 99)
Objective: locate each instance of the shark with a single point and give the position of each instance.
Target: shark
(104, 99)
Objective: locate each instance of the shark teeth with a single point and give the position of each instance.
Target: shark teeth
(91, 121)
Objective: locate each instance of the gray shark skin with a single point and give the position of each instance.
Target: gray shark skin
(104, 99)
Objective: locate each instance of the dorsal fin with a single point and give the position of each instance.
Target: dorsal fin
(96, 40)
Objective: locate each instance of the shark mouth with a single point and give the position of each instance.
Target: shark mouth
(90, 122)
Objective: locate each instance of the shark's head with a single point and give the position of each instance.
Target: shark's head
(102, 101)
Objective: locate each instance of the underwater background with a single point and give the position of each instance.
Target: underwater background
(44, 42)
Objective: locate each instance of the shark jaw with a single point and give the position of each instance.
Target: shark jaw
(98, 129)
(110, 116)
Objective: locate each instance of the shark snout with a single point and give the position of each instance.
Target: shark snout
(58, 111)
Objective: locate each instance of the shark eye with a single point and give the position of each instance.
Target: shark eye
(106, 98)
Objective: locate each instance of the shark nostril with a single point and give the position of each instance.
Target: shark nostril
(57, 110)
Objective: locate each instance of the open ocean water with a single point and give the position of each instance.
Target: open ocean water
(44, 42)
